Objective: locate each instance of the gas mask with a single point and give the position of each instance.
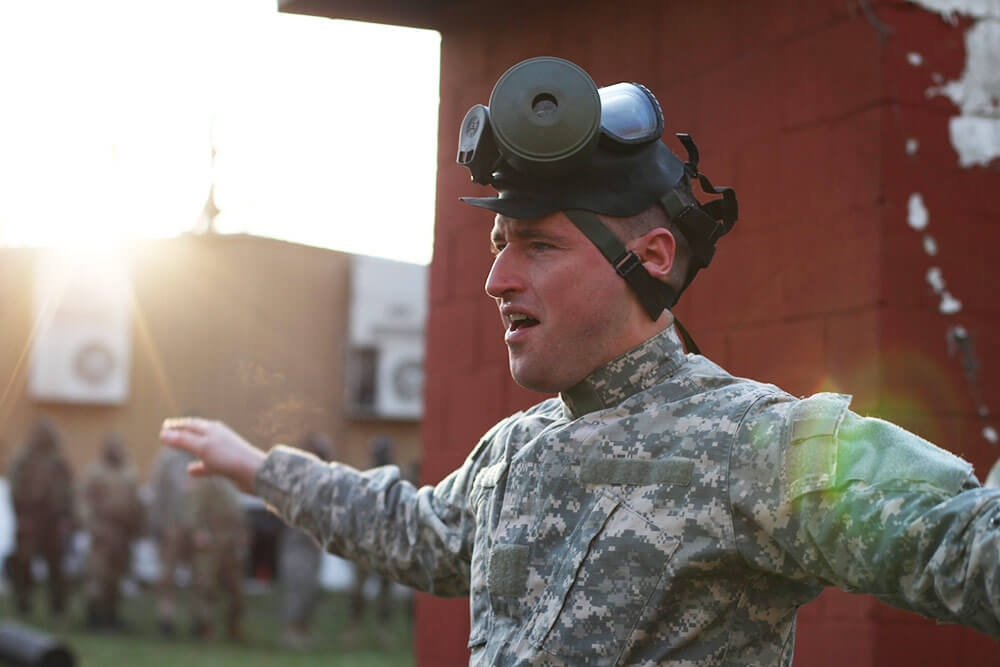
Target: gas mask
(551, 140)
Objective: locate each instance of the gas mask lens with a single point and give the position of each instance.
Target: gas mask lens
(630, 114)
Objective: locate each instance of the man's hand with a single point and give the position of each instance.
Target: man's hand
(220, 450)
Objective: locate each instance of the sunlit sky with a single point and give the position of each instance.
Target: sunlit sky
(325, 131)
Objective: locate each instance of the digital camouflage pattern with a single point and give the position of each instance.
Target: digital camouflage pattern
(299, 562)
(665, 512)
(382, 455)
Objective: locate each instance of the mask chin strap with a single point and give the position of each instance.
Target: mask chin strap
(701, 224)
(655, 296)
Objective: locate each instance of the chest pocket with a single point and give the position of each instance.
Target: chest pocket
(482, 500)
(598, 593)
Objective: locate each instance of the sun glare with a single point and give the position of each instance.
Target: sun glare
(129, 114)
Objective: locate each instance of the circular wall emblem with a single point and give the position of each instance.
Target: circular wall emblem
(94, 362)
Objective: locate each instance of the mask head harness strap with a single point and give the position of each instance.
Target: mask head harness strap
(701, 224)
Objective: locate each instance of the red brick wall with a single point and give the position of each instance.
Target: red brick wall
(805, 109)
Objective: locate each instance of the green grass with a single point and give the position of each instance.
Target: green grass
(261, 645)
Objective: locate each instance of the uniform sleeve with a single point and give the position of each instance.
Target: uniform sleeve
(421, 537)
(824, 496)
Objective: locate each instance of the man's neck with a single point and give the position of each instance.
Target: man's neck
(638, 369)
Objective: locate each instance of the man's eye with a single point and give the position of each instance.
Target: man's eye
(539, 245)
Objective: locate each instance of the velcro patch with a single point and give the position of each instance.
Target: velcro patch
(636, 472)
(817, 416)
(811, 454)
(508, 572)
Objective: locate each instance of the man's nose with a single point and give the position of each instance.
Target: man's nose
(505, 276)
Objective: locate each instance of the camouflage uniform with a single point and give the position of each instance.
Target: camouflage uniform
(381, 456)
(299, 560)
(170, 482)
(41, 489)
(663, 511)
(112, 515)
(215, 526)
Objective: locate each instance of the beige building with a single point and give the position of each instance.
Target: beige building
(248, 330)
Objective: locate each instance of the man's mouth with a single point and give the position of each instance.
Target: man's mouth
(520, 321)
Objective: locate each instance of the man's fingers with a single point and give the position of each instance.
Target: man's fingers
(188, 440)
(197, 469)
(189, 424)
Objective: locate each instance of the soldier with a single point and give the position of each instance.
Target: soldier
(170, 482)
(299, 560)
(382, 455)
(658, 510)
(113, 516)
(42, 494)
(215, 527)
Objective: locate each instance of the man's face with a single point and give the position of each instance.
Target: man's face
(565, 310)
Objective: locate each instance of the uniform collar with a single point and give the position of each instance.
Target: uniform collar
(642, 367)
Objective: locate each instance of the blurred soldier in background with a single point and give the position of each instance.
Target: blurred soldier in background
(41, 486)
(382, 455)
(113, 516)
(170, 482)
(299, 559)
(216, 528)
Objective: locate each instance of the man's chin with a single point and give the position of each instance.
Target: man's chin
(534, 379)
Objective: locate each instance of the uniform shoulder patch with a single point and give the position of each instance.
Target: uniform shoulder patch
(811, 443)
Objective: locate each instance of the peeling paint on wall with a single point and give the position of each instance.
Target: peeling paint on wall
(975, 8)
(930, 245)
(918, 217)
(975, 133)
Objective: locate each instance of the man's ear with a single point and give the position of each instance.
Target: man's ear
(656, 249)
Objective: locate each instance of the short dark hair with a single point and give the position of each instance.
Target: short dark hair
(652, 218)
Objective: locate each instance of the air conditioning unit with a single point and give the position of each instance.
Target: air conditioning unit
(400, 377)
(386, 362)
(81, 347)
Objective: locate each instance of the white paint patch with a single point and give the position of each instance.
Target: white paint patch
(935, 279)
(977, 140)
(990, 434)
(975, 134)
(975, 8)
(918, 216)
(912, 146)
(914, 58)
(949, 305)
(930, 245)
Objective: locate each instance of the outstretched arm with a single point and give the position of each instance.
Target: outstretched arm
(220, 450)
(824, 495)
